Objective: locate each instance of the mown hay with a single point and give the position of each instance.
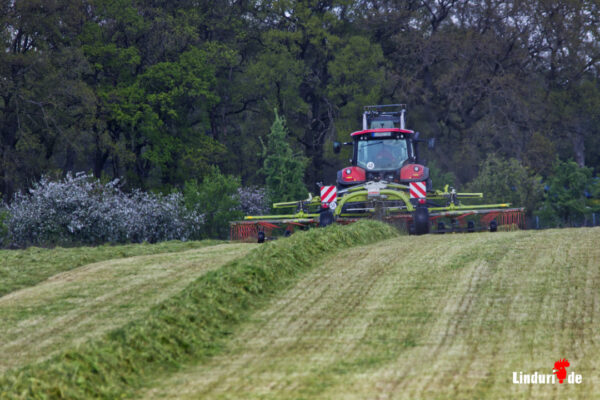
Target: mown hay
(190, 326)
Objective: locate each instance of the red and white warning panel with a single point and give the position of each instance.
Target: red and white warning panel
(418, 190)
(328, 194)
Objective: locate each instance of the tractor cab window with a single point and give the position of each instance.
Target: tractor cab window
(382, 154)
(382, 124)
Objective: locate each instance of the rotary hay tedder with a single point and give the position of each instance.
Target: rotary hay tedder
(386, 181)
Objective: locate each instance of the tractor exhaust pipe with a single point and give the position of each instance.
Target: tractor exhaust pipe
(402, 122)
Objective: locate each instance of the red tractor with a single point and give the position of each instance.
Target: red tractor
(388, 181)
(385, 151)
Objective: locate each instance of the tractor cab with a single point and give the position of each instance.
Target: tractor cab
(383, 151)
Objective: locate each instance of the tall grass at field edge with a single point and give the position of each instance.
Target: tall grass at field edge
(190, 326)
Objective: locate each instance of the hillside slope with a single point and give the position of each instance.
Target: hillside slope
(439, 316)
(76, 305)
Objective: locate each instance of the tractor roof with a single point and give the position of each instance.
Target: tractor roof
(381, 130)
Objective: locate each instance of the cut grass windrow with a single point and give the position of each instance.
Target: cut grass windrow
(74, 306)
(189, 326)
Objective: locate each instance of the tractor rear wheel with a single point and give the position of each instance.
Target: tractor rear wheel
(421, 220)
(325, 218)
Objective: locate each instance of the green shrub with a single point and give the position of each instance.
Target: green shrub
(565, 202)
(217, 199)
(508, 181)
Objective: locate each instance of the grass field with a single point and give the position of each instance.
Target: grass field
(190, 326)
(447, 316)
(436, 316)
(82, 303)
(23, 268)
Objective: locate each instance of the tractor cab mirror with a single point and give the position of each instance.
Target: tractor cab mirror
(337, 147)
(431, 144)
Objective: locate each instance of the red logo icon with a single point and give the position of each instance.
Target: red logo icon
(560, 369)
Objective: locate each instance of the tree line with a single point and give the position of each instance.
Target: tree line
(156, 92)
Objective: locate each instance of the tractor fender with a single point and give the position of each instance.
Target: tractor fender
(414, 173)
(351, 176)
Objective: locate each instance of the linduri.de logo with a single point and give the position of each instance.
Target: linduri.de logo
(559, 375)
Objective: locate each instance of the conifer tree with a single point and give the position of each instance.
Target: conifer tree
(283, 170)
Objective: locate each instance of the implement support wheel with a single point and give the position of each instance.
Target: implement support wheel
(441, 227)
(493, 226)
(470, 226)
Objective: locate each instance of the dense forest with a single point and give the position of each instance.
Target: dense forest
(155, 92)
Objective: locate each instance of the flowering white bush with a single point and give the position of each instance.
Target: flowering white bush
(253, 200)
(80, 209)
